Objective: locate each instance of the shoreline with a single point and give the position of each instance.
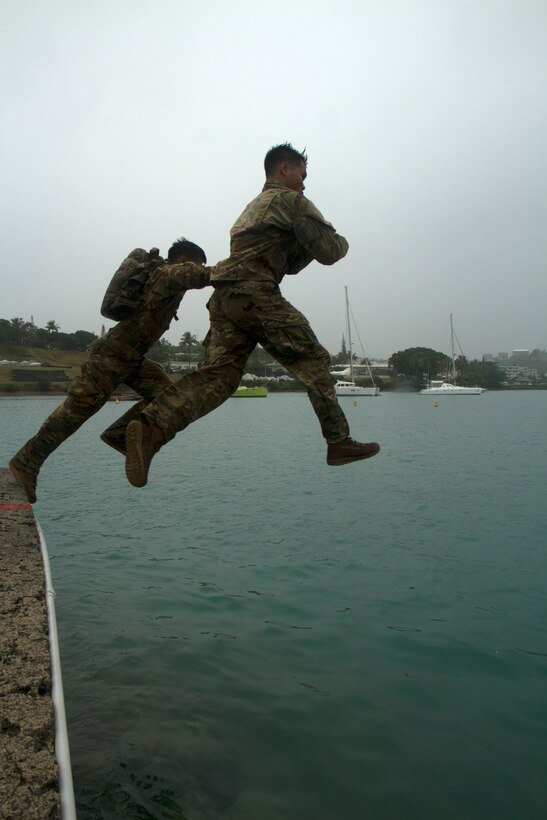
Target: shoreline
(29, 775)
(31, 394)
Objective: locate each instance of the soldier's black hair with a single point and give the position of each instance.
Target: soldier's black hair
(283, 153)
(183, 247)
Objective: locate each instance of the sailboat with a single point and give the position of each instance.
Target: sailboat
(349, 388)
(441, 388)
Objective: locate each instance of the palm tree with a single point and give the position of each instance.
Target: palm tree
(17, 330)
(188, 342)
(52, 326)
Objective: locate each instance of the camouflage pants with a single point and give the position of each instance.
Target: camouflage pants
(110, 364)
(241, 319)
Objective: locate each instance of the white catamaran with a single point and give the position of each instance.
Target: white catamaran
(349, 388)
(441, 388)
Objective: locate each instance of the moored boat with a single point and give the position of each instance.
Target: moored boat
(352, 389)
(442, 388)
(349, 388)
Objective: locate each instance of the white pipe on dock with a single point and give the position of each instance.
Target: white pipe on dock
(62, 751)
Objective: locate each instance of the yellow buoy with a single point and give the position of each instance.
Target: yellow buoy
(435, 404)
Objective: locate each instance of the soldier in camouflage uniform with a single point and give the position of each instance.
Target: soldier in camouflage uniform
(116, 358)
(278, 234)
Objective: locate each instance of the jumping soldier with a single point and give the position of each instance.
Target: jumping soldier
(118, 357)
(279, 233)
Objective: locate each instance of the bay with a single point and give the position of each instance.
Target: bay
(257, 635)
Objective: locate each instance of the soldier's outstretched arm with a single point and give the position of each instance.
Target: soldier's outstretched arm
(317, 235)
(183, 276)
(190, 276)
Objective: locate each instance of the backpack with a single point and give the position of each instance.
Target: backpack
(125, 294)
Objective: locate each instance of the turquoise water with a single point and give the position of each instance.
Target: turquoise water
(256, 636)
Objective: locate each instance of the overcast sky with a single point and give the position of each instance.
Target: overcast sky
(127, 123)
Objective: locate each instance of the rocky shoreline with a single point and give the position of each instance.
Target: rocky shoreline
(29, 784)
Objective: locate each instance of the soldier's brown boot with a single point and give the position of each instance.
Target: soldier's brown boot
(117, 442)
(114, 435)
(25, 477)
(344, 452)
(142, 442)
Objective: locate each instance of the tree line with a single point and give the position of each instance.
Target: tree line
(413, 365)
(420, 364)
(19, 333)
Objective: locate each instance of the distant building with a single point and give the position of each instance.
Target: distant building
(518, 353)
(513, 373)
(379, 368)
(178, 366)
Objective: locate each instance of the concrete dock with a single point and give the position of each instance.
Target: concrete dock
(29, 776)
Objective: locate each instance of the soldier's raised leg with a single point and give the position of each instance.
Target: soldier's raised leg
(299, 351)
(150, 380)
(187, 399)
(86, 395)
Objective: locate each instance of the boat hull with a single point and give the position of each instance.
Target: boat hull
(352, 389)
(451, 390)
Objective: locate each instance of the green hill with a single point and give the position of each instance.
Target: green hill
(40, 381)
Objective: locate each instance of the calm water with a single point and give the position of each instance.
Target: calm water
(256, 636)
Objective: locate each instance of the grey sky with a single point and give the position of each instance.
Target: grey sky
(130, 122)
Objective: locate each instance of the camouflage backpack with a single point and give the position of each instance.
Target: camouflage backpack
(125, 293)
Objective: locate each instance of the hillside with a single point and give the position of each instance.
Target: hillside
(59, 358)
(67, 360)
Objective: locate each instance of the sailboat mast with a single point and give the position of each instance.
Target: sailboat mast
(349, 335)
(452, 349)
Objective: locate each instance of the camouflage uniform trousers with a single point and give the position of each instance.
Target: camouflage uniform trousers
(243, 316)
(110, 364)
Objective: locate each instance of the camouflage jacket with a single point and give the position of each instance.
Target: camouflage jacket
(278, 234)
(164, 292)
